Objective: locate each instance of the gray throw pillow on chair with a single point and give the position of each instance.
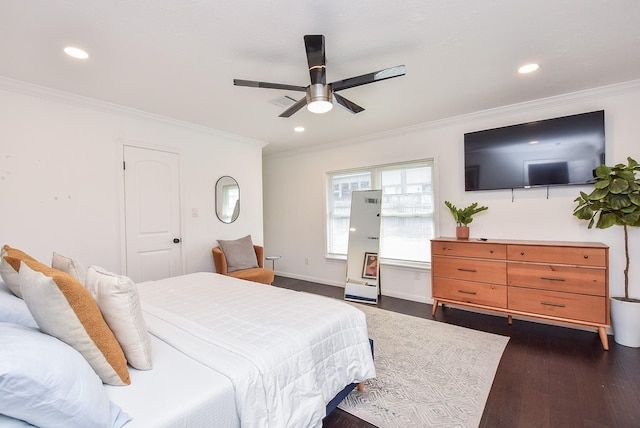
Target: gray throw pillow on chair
(239, 253)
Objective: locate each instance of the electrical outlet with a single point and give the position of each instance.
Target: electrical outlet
(194, 212)
(306, 260)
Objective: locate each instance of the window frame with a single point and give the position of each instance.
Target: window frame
(376, 172)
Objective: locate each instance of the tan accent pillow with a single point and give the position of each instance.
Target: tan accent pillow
(63, 308)
(9, 269)
(69, 265)
(117, 297)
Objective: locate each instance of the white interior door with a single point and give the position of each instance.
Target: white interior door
(152, 214)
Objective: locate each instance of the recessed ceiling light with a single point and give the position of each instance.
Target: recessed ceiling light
(299, 129)
(528, 68)
(76, 52)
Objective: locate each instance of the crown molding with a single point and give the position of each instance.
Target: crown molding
(624, 88)
(33, 90)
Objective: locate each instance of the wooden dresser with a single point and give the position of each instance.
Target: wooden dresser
(564, 282)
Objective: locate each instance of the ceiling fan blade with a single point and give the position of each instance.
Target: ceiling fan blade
(314, 45)
(346, 104)
(294, 108)
(254, 84)
(387, 73)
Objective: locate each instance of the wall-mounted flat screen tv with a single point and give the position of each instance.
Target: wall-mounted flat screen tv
(552, 152)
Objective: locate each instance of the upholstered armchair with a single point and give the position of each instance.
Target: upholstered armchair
(256, 274)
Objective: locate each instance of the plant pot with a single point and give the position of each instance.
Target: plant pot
(462, 232)
(625, 320)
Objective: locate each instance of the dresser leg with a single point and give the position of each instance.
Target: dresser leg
(603, 338)
(360, 387)
(435, 308)
(509, 319)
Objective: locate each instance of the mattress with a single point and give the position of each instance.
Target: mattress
(286, 353)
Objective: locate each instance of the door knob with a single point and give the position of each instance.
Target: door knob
(176, 240)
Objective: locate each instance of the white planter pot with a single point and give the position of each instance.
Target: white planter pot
(625, 320)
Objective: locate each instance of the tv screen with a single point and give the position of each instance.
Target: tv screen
(552, 152)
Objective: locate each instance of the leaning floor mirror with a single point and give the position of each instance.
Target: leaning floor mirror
(363, 269)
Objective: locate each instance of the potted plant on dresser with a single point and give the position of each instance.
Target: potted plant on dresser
(463, 216)
(615, 200)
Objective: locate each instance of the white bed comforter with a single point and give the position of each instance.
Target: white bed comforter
(287, 353)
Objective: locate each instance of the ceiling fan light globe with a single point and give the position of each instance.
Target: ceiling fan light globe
(319, 107)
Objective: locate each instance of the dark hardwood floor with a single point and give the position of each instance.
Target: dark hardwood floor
(549, 375)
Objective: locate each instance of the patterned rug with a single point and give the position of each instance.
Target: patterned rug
(429, 374)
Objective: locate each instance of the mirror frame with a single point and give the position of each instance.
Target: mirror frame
(223, 187)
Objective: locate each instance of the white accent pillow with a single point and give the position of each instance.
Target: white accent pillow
(117, 297)
(239, 253)
(63, 308)
(9, 269)
(47, 383)
(69, 265)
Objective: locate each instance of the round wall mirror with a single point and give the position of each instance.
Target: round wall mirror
(227, 199)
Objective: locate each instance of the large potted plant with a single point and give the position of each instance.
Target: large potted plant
(463, 216)
(615, 200)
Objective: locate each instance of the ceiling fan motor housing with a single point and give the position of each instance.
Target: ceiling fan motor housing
(319, 98)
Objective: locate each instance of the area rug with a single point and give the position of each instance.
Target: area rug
(429, 374)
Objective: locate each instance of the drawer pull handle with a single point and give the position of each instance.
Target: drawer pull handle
(491, 251)
(466, 270)
(467, 292)
(522, 253)
(558, 305)
(586, 257)
(549, 278)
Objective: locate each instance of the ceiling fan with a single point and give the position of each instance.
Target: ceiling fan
(320, 95)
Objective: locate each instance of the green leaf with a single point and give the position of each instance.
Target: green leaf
(618, 202)
(601, 184)
(603, 171)
(584, 213)
(606, 220)
(634, 198)
(618, 185)
(632, 218)
(626, 175)
(598, 194)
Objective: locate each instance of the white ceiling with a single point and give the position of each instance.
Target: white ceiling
(178, 58)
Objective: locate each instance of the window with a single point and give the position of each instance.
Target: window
(407, 209)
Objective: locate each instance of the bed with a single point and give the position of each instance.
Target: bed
(230, 353)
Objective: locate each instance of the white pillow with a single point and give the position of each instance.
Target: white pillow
(69, 265)
(117, 297)
(13, 309)
(63, 308)
(49, 384)
(10, 265)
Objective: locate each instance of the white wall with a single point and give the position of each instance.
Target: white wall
(61, 177)
(294, 190)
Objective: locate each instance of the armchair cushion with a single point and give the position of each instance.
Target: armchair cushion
(256, 274)
(239, 253)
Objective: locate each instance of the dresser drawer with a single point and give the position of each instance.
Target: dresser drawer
(470, 292)
(584, 256)
(556, 304)
(557, 278)
(483, 250)
(470, 269)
